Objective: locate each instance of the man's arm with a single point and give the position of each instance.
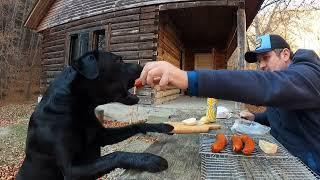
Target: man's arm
(295, 88)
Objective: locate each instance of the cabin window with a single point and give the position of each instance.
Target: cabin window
(79, 45)
(84, 41)
(99, 42)
(74, 40)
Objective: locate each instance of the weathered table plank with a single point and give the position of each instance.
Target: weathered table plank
(182, 154)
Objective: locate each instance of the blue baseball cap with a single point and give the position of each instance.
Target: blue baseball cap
(266, 43)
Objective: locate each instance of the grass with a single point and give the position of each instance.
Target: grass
(12, 143)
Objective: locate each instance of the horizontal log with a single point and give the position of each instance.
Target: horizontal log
(133, 46)
(54, 67)
(98, 23)
(166, 99)
(181, 5)
(149, 9)
(136, 54)
(148, 29)
(59, 60)
(131, 24)
(53, 43)
(96, 18)
(160, 94)
(149, 15)
(128, 31)
(141, 61)
(148, 22)
(157, 88)
(134, 38)
(59, 47)
(124, 25)
(52, 55)
(53, 37)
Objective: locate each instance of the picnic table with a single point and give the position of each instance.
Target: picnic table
(189, 157)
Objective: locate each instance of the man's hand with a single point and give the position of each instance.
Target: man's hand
(164, 74)
(247, 115)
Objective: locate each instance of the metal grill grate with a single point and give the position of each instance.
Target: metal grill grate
(207, 139)
(219, 166)
(226, 125)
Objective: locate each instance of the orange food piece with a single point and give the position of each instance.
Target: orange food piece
(220, 143)
(138, 83)
(248, 144)
(237, 143)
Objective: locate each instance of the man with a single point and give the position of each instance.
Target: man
(288, 84)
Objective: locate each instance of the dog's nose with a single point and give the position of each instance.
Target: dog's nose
(134, 69)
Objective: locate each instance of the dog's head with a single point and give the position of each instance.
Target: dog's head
(103, 77)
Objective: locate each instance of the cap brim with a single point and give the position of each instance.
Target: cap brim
(251, 56)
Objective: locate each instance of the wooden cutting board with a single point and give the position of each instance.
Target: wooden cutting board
(180, 128)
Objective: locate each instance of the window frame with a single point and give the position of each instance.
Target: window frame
(91, 41)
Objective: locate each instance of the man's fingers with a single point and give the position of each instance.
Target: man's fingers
(152, 75)
(164, 81)
(148, 67)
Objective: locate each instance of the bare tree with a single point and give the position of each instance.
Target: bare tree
(17, 45)
(281, 17)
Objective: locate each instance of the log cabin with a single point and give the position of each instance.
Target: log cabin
(189, 34)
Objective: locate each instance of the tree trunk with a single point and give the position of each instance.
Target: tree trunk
(33, 63)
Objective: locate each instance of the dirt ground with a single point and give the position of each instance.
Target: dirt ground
(14, 118)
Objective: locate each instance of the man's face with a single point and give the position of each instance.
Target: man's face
(270, 61)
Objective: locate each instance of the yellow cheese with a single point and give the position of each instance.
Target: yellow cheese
(268, 147)
(204, 120)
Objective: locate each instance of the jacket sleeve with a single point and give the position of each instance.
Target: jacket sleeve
(261, 118)
(297, 87)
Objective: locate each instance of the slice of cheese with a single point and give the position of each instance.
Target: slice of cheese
(190, 122)
(204, 120)
(268, 147)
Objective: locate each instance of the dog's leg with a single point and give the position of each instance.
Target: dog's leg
(107, 163)
(115, 135)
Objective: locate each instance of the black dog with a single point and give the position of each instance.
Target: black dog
(64, 135)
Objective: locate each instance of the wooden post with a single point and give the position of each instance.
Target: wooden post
(108, 37)
(241, 41)
(67, 50)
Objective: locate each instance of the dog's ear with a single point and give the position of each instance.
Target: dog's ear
(87, 66)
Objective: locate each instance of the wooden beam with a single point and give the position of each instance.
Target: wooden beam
(67, 49)
(241, 21)
(37, 13)
(181, 5)
(108, 37)
(241, 41)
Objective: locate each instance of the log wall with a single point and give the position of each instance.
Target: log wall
(131, 33)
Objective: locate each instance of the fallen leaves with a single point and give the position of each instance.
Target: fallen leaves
(12, 113)
(8, 172)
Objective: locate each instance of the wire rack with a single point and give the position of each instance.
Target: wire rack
(219, 166)
(207, 139)
(226, 125)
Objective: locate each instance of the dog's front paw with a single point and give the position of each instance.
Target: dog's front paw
(152, 163)
(140, 161)
(160, 128)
